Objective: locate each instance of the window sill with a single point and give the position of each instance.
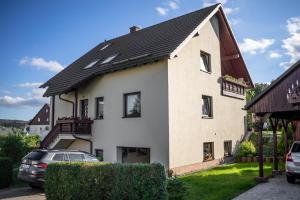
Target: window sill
(208, 72)
(131, 117)
(207, 117)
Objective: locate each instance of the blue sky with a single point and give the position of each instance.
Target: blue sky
(39, 38)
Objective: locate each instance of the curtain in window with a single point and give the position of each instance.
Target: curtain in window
(206, 106)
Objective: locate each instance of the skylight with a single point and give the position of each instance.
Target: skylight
(91, 64)
(110, 58)
(105, 46)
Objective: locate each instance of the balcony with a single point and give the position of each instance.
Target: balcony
(233, 87)
(65, 130)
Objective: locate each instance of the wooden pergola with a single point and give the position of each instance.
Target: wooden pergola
(278, 102)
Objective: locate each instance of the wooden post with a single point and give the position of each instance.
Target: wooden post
(274, 123)
(76, 104)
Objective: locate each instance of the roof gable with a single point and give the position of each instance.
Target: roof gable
(42, 117)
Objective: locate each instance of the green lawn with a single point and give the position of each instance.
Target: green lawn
(224, 182)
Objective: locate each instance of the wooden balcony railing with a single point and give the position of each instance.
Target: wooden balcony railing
(67, 126)
(233, 89)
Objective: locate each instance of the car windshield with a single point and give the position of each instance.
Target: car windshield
(296, 148)
(35, 155)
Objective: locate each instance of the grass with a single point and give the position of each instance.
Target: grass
(224, 182)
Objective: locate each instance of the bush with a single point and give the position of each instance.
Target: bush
(176, 189)
(247, 148)
(5, 172)
(105, 181)
(13, 147)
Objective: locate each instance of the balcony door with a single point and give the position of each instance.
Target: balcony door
(84, 108)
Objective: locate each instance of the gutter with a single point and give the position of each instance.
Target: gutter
(87, 140)
(66, 100)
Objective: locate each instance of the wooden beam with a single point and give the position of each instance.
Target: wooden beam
(231, 57)
(285, 124)
(274, 123)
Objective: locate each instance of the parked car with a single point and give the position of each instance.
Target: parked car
(293, 163)
(34, 164)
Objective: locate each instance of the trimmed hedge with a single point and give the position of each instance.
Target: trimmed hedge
(91, 181)
(6, 171)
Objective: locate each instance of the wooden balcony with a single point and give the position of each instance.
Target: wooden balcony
(68, 126)
(233, 89)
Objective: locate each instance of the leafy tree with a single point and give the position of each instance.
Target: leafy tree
(13, 146)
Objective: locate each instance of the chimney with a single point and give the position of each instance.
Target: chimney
(134, 29)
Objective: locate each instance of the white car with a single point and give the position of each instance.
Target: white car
(292, 163)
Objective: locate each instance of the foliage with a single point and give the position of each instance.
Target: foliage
(281, 144)
(247, 148)
(5, 172)
(105, 181)
(17, 145)
(224, 182)
(176, 189)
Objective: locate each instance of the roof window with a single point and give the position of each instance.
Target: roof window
(91, 64)
(105, 46)
(110, 58)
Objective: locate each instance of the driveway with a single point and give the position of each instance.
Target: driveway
(24, 193)
(276, 189)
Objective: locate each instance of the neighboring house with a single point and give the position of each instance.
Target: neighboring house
(40, 124)
(171, 93)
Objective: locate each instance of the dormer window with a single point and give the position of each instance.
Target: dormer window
(91, 64)
(205, 62)
(39, 119)
(105, 46)
(110, 58)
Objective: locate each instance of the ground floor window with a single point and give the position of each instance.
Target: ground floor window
(133, 154)
(228, 148)
(99, 154)
(208, 151)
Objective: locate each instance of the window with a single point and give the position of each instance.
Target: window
(208, 151)
(228, 148)
(84, 108)
(99, 154)
(46, 110)
(47, 128)
(134, 154)
(132, 104)
(296, 148)
(47, 119)
(105, 46)
(207, 106)
(205, 62)
(39, 119)
(110, 58)
(99, 107)
(76, 157)
(91, 64)
(58, 157)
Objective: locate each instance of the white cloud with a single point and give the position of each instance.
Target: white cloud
(41, 63)
(274, 54)
(162, 11)
(229, 11)
(173, 5)
(5, 91)
(253, 46)
(29, 85)
(291, 44)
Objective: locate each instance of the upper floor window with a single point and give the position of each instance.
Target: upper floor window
(39, 119)
(132, 104)
(84, 104)
(205, 62)
(99, 107)
(207, 110)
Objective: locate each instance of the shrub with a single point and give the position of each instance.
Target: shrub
(13, 147)
(176, 189)
(5, 172)
(247, 148)
(105, 181)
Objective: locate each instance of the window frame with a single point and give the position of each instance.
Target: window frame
(125, 104)
(210, 115)
(84, 115)
(230, 153)
(97, 116)
(97, 155)
(209, 62)
(212, 151)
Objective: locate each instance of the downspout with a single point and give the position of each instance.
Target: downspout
(53, 107)
(87, 140)
(76, 104)
(66, 100)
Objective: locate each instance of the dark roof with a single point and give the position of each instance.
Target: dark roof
(43, 115)
(272, 85)
(146, 45)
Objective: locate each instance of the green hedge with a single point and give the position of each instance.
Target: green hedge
(6, 169)
(105, 181)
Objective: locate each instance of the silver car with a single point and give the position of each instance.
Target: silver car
(34, 164)
(292, 164)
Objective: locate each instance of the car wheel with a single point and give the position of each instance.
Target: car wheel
(35, 186)
(290, 179)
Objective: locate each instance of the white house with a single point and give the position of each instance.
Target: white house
(171, 93)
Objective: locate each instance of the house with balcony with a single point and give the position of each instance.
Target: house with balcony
(171, 93)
